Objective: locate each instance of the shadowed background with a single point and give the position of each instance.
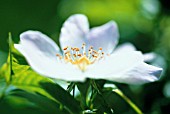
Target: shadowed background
(145, 23)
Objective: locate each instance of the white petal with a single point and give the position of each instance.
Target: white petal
(125, 67)
(74, 31)
(105, 36)
(40, 52)
(126, 47)
(115, 64)
(148, 57)
(140, 74)
(35, 40)
(49, 66)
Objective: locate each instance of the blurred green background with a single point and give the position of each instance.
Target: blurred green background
(145, 23)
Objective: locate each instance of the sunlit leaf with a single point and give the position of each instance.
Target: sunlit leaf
(27, 79)
(5, 71)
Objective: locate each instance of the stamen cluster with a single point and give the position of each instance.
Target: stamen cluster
(81, 57)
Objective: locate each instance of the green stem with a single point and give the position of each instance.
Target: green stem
(10, 57)
(94, 85)
(99, 91)
(92, 90)
(120, 93)
(70, 87)
(73, 90)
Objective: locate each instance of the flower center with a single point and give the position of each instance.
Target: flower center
(81, 57)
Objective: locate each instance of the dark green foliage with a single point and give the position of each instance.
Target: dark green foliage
(145, 23)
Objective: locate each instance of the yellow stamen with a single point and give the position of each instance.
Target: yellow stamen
(79, 58)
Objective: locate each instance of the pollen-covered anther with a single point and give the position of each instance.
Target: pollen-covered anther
(74, 55)
(95, 56)
(100, 48)
(95, 52)
(65, 48)
(78, 56)
(77, 49)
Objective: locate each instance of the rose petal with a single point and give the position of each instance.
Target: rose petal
(142, 73)
(126, 47)
(125, 67)
(105, 36)
(148, 57)
(40, 52)
(115, 64)
(74, 31)
(49, 66)
(35, 40)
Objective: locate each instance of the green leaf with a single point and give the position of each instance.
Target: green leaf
(27, 79)
(101, 105)
(13, 99)
(2, 87)
(97, 99)
(17, 105)
(10, 56)
(3, 57)
(11, 103)
(5, 71)
(46, 105)
(118, 97)
(114, 101)
(63, 97)
(83, 88)
(19, 69)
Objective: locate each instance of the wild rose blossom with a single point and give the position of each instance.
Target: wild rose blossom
(86, 53)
